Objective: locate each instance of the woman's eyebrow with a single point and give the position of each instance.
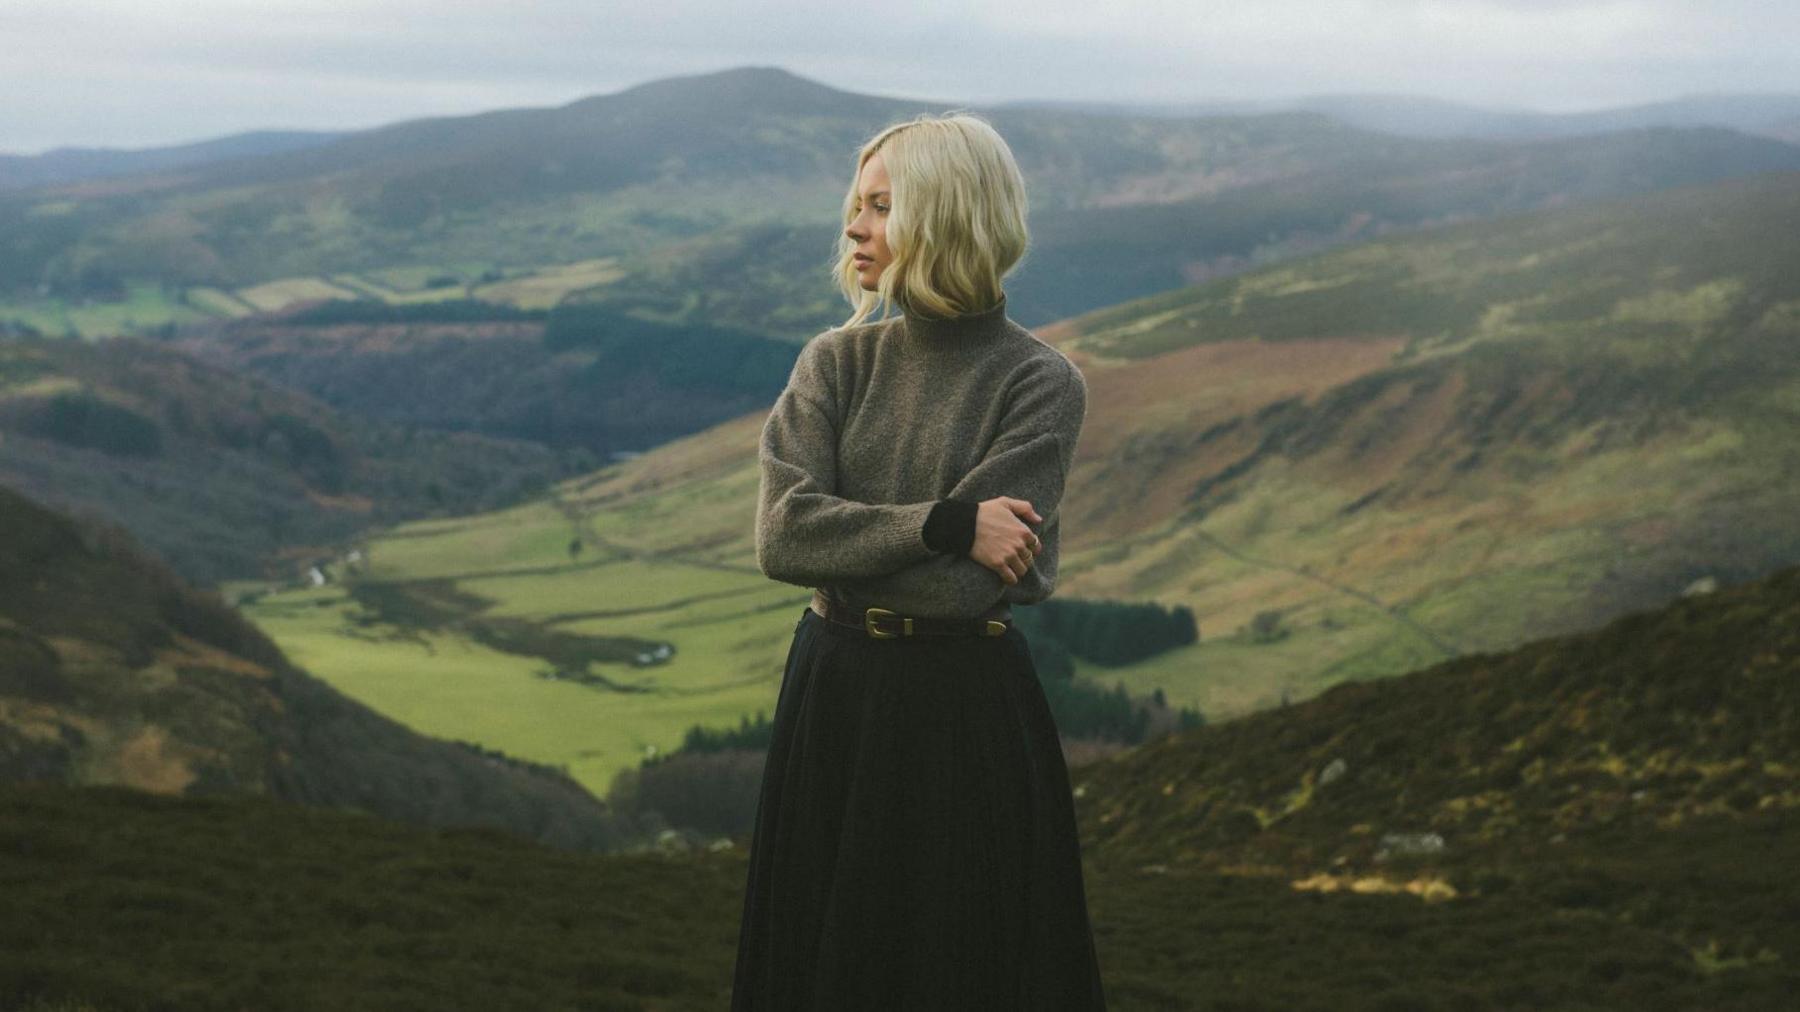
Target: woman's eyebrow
(877, 193)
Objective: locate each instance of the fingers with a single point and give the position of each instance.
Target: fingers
(1011, 564)
(1022, 559)
(1010, 569)
(1006, 573)
(1024, 509)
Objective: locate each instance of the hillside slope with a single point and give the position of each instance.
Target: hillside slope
(1658, 719)
(1488, 433)
(1614, 814)
(112, 671)
(225, 475)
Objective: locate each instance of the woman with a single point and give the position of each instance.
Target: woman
(915, 843)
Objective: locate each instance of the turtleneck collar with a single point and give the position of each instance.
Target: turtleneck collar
(956, 328)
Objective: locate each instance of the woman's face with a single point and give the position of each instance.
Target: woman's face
(869, 228)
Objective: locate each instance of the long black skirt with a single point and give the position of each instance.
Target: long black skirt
(915, 843)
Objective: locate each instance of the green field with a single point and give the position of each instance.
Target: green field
(148, 304)
(728, 631)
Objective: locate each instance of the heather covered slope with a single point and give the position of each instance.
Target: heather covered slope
(1600, 820)
(119, 901)
(1656, 720)
(1604, 818)
(113, 671)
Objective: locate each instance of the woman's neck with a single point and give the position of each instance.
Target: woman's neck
(925, 327)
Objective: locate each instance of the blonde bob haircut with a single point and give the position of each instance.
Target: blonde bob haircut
(956, 218)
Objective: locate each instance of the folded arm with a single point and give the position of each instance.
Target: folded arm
(804, 534)
(1028, 460)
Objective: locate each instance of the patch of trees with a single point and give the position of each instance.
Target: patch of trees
(35, 248)
(498, 757)
(713, 792)
(278, 437)
(84, 419)
(306, 448)
(1083, 709)
(1109, 632)
(89, 281)
(748, 734)
(724, 359)
(1267, 627)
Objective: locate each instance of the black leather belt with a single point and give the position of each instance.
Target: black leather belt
(883, 624)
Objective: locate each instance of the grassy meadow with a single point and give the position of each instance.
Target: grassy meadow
(728, 628)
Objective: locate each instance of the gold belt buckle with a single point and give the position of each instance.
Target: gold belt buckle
(873, 614)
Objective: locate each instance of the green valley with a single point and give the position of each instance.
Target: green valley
(1334, 497)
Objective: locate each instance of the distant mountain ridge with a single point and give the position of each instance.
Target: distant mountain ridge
(1771, 114)
(656, 176)
(75, 164)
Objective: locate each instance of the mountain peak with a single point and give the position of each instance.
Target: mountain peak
(747, 87)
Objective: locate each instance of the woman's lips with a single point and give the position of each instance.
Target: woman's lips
(862, 261)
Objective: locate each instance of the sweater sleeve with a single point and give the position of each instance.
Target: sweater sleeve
(805, 533)
(951, 526)
(1029, 460)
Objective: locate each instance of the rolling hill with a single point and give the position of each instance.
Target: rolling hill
(1657, 720)
(115, 672)
(1124, 206)
(227, 476)
(1424, 415)
(1639, 778)
(577, 376)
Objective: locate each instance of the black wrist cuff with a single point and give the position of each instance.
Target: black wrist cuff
(950, 526)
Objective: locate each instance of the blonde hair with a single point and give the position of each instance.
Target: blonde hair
(956, 219)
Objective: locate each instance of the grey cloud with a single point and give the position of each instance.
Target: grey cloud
(127, 73)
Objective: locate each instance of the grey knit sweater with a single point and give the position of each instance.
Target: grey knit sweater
(887, 436)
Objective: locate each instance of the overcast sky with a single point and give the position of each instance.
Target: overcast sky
(132, 73)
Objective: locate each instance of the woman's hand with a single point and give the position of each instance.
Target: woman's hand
(1002, 541)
